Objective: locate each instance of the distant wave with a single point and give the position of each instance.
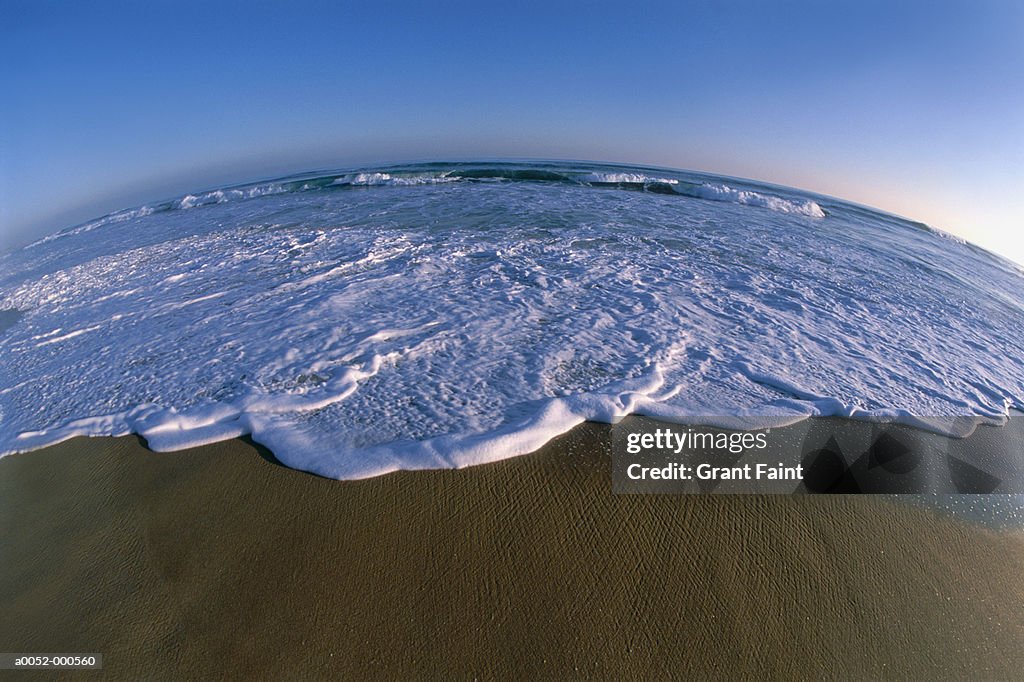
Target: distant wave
(116, 217)
(498, 173)
(377, 179)
(221, 196)
(749, 198)
(625, 179)
(619, 180)
(711, 192)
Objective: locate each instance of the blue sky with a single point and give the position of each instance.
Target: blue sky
(915, 108)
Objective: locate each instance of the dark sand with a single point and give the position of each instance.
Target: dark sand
(218, 562)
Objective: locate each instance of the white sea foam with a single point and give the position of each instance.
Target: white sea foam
(718, 192)
(221, 196)
(389, 180)
(188, 201)
(710, 191)
(116, 217)
(626, 178)
(355, 333)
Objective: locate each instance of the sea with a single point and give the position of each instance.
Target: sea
(433, 315)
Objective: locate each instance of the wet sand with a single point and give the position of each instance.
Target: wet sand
(218, 562)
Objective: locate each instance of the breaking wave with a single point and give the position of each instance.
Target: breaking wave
(404, 177)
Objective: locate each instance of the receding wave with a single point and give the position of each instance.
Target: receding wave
(473, 311)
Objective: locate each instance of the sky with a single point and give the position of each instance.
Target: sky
(915, 108)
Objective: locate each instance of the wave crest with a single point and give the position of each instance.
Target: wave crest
(750, 198)
(439, 173)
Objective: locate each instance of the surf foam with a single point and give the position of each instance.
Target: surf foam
(441, 324)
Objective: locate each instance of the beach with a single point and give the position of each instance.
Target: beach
(217, 561)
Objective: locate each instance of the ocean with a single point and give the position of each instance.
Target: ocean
(435, 315)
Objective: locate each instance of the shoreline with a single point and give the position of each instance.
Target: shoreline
(999, 446)
(216, 561)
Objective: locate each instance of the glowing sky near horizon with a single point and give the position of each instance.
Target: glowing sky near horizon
(917, 109)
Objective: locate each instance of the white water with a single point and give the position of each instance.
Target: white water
(422, 324)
